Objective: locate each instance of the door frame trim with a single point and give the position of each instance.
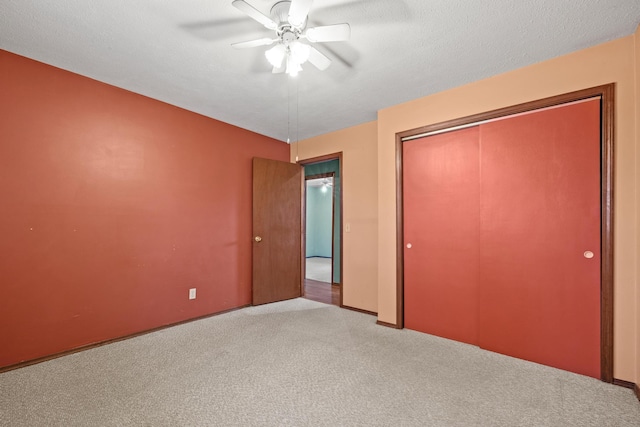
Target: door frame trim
(606, 93)
(321, 159)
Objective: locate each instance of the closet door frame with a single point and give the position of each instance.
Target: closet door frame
(606, 93)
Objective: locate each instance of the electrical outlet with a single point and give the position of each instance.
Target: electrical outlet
(192, 293)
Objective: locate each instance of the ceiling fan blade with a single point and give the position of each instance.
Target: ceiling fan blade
(329, 33)
(254, 13)
(319, 59)
(298, 12)
(253, 43)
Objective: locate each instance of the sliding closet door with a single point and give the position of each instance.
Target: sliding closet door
(539, 295)
(441, 208)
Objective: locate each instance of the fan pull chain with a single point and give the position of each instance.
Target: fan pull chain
(297, 117)
(288, 112)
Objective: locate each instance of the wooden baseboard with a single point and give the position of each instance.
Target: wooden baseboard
(629, 385)
(359, 310)
(388, 325)
(623, 383)
(110, 341)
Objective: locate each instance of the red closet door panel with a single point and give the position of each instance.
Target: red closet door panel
(441, 209)
(539, 295)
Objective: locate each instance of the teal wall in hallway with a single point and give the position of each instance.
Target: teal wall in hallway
(319, 207)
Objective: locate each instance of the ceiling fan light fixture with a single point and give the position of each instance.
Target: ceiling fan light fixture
(276, 55)
(293, 67)
(300, 52)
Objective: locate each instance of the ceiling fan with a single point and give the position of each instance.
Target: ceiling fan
(289, 20)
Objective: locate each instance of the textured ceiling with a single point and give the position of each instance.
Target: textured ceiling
(179, 51)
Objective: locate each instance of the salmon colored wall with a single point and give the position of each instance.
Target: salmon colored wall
(606, 63)
(359, 168)
(113, 206)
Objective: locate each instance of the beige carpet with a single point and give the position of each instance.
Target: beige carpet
(302, 363)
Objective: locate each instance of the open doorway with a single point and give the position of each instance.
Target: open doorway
(323, 231)
(319, 229)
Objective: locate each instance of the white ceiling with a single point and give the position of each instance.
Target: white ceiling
(179, 51)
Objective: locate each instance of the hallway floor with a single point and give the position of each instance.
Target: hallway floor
(319, 269)
(322, 292)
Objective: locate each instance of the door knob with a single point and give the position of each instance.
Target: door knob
(588, 254)
(258, 239)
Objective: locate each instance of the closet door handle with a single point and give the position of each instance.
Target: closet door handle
(588, 254)
(258, 239)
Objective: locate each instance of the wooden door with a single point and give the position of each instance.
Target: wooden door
(277, 230)
(540, 237)
(441, 208)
